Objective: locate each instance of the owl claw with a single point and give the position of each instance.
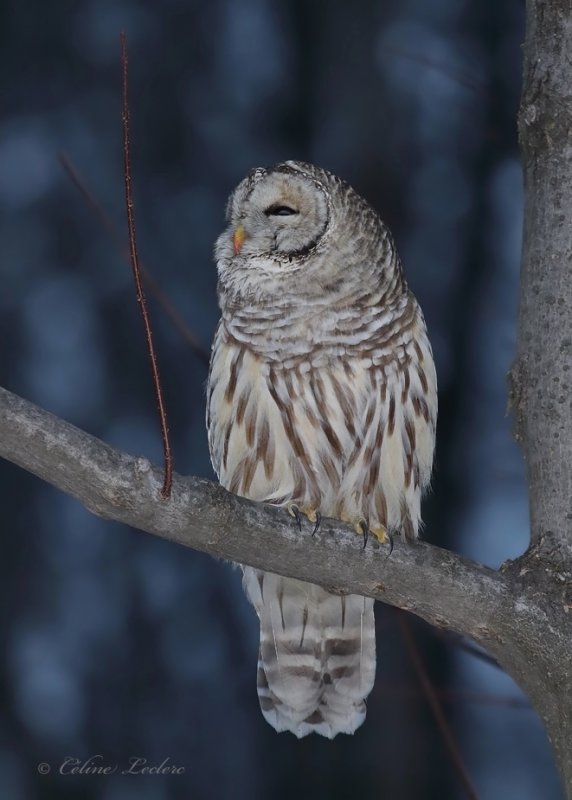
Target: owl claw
(363, 528)
(294, 511)
(311, 514)
(381, 534)
(390, 542)
(317, 522)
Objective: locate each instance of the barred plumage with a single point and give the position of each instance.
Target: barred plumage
(322, 394)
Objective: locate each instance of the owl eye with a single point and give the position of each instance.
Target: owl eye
(280, 211)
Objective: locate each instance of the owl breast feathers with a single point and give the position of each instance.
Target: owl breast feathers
(322, 398)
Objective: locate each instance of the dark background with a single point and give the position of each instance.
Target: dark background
(119, 644)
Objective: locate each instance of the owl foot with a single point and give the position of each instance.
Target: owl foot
(312, 514)
(380, 533)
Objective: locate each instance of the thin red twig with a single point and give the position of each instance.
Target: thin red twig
(431, 697)
(107, 223)
(168, 479)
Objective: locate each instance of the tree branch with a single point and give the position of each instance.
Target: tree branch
(443, 588)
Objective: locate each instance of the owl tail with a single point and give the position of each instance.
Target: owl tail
(316, 663)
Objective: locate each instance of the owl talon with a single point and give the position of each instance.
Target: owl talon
(313, 515)
(317, 523)
(390, 542)
(381, 534)
(294, 511)
(362, 528)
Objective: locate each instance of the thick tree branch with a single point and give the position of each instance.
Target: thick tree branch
(439, 586)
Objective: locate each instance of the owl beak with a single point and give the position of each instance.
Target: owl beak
(238, 238)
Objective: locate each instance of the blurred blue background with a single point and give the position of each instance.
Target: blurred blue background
(119, 644)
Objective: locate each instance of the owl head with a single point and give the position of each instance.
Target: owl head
(294, 230)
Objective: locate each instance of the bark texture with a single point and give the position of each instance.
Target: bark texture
(544, 365)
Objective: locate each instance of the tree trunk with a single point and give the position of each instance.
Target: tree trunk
(538, 649)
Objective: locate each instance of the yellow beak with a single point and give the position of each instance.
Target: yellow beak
(238, 239)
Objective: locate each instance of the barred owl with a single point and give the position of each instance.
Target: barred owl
(321, 399)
